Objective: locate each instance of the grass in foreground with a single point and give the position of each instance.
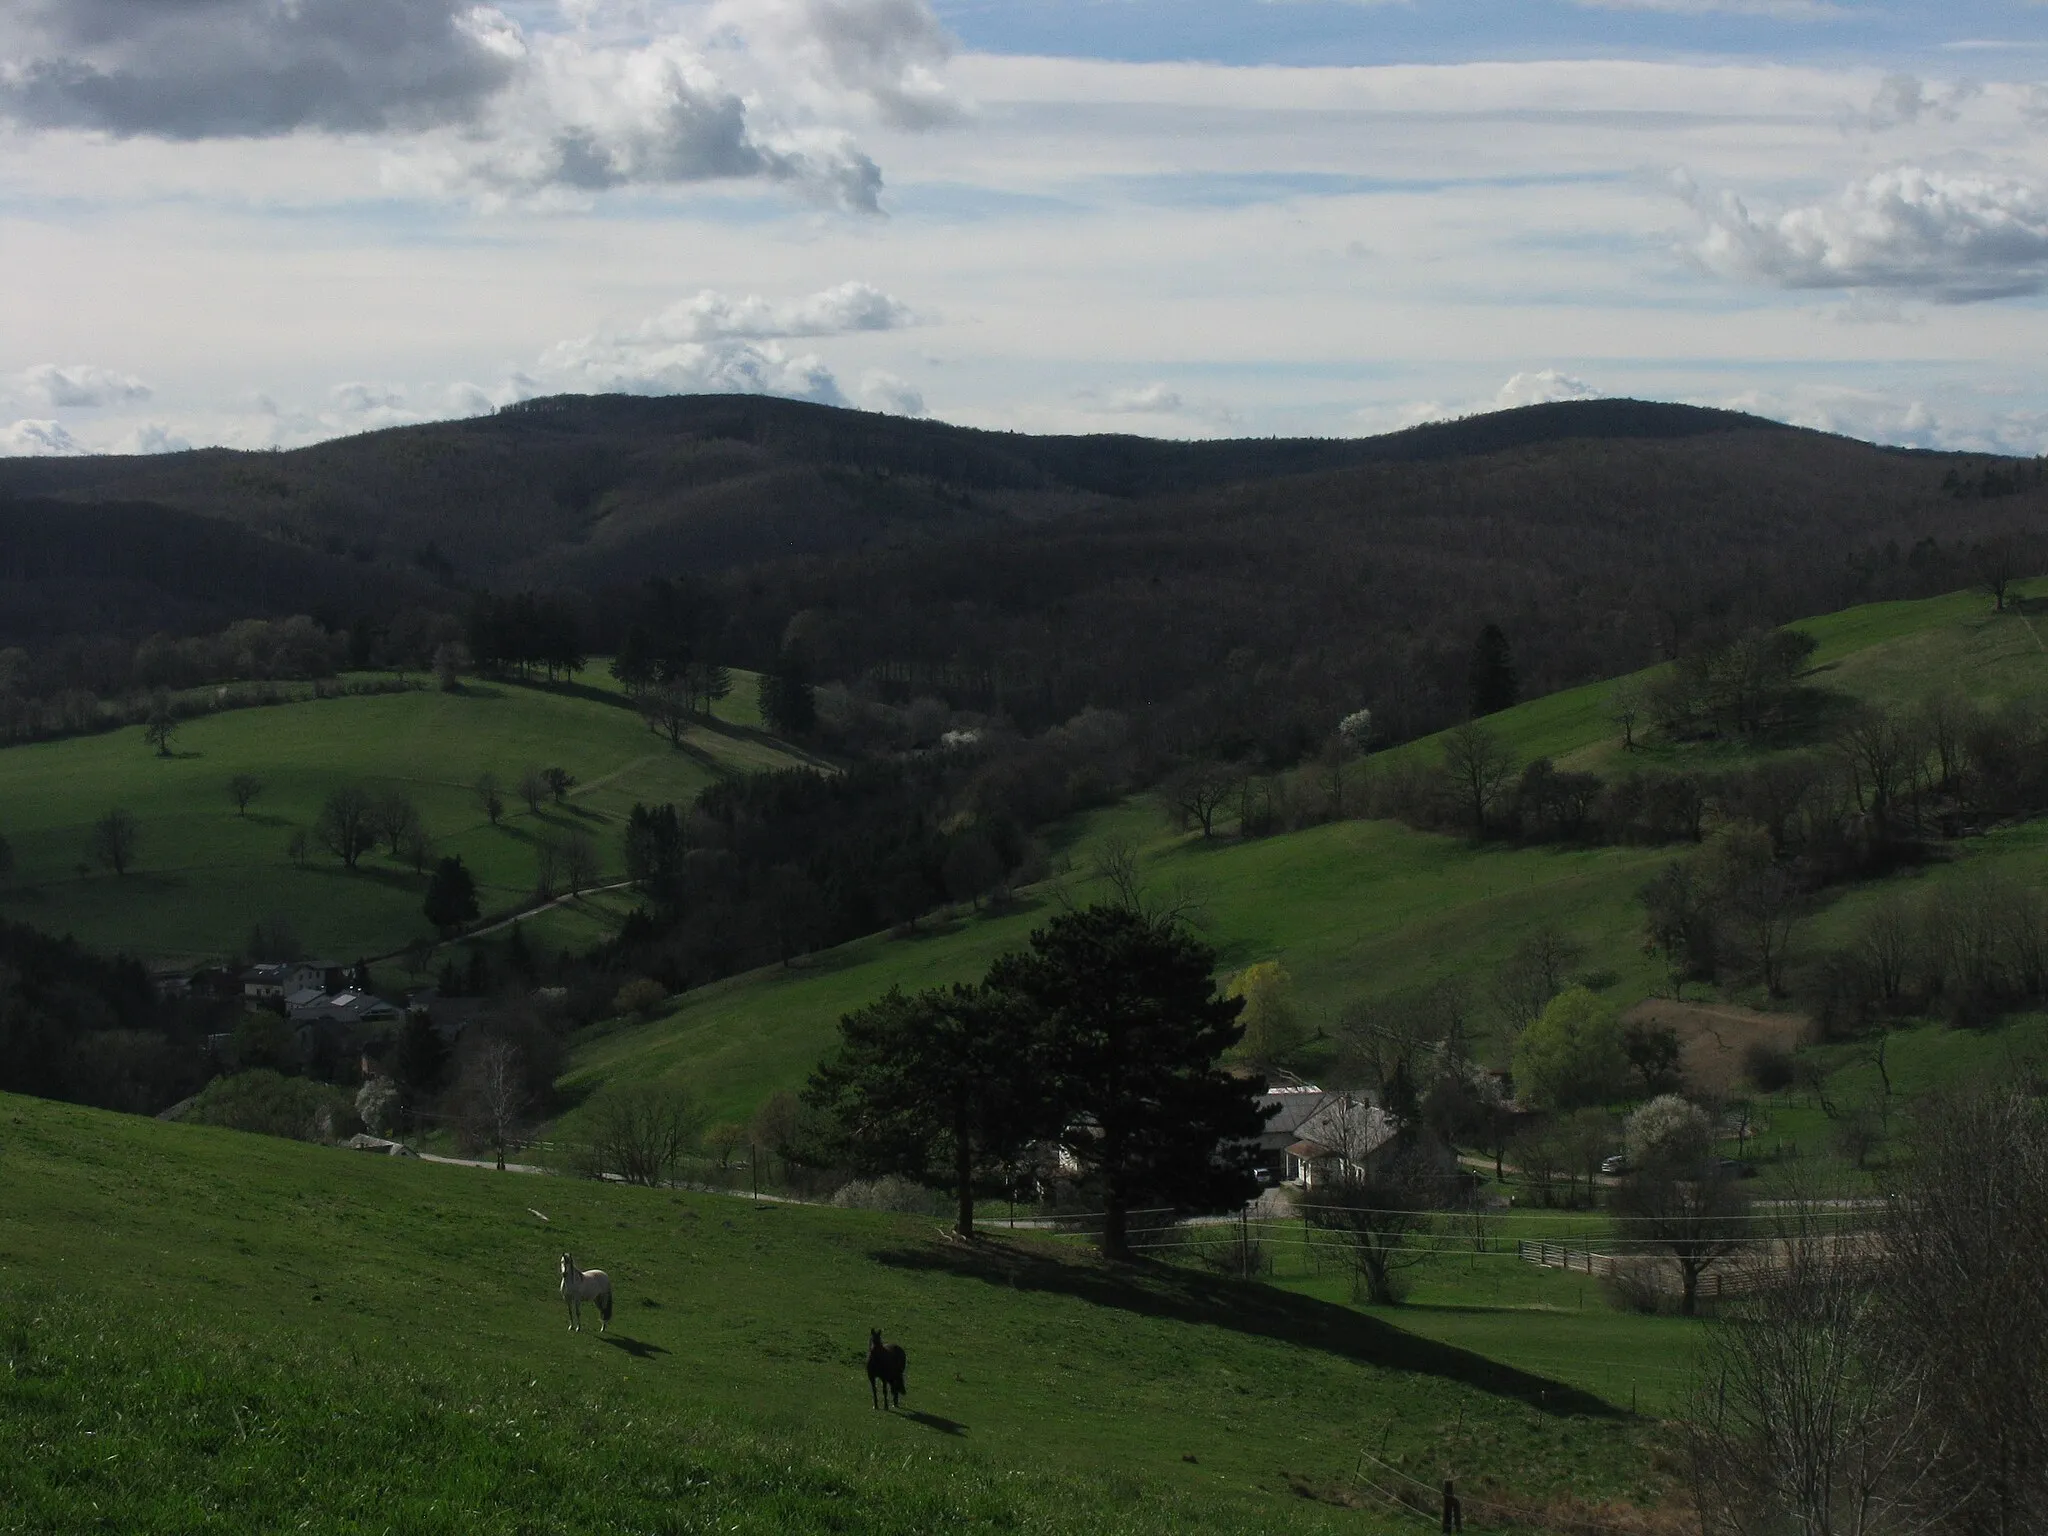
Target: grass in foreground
(201, 1331)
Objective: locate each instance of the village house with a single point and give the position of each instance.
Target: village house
(1344, 1136)
(264, 983)
(1290, 1106)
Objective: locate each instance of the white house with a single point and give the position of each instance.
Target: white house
(264, 982)
(1343, 1137)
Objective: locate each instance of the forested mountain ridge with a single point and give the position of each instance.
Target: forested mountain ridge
(584, 490)
(1238, 595)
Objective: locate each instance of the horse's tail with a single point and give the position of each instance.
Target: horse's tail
(604, 1303)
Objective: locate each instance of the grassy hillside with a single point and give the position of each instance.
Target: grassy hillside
(205, 874)
(1883, 653)
(208, 1332)
(1355, 910)
(1358, 910)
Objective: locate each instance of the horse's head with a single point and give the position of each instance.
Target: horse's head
(568, 1267)
(874, 1338)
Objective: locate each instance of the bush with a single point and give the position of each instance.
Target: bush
(1768, 1066)
(640, 997)
(271, 1104)
(889, 1193)
(1672, 1129)
(1635, 1285)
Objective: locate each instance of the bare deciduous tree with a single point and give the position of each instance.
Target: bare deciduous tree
(243, 788)
(1370, 1203)
(1197, 792)
(669, 711)
(489, 798)
(494, 1097)
(1533, 973)
(1965, 1303)
(1480, 767)
(115, 838)
(533, 789)
(1803, 1423)
(1682, 1203)
(638, 1131)
(347, 824)
(579, 861)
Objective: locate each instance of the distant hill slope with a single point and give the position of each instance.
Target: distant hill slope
(204, 875)
(590, 489)
(1242, 595)
(1360, 911)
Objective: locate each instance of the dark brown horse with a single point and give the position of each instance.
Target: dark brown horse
(885, 1366)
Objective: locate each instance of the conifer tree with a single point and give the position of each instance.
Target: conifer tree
(1491, 680)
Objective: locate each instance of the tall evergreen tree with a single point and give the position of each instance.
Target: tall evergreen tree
(945, 1087)
(1491, 681)
(451, 895)
(1133, 1028)
(789, 703)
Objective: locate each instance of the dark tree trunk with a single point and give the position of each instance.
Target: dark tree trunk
(963, 1171)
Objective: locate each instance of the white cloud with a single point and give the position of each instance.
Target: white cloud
(191, 69)
(151, 437)
(710, 315)
(80, 384)
(1542, 387)
(719, 343)
(885, 54)
(1145, 399)
(37, 439)
(1904, 100)
(1954, 238)
(1910, 421)
(603, 365)
(585, 118)
(883, 391)
(632, 95)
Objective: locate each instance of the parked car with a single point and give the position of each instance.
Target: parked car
(1615, 1165)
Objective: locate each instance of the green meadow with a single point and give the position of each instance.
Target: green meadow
(205, 874)
(202, 1331)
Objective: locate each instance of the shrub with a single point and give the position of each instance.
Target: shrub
(271, 1104)
(1768, 1066)
(888, 1193)
(640, 997)
(1634, 1285)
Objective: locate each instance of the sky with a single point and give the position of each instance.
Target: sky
(262, 223)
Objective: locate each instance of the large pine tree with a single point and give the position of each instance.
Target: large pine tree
(945, 1087)
(1133, 1028)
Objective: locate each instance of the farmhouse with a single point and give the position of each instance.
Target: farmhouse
(1290, 1106)
(264, 983)
(1344, 1136)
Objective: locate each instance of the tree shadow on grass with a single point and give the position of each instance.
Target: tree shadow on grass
(933, 1421)
(1157, 1290)
(639, 1349)
(393, 879)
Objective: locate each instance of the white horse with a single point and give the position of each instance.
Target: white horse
(581, 1285)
